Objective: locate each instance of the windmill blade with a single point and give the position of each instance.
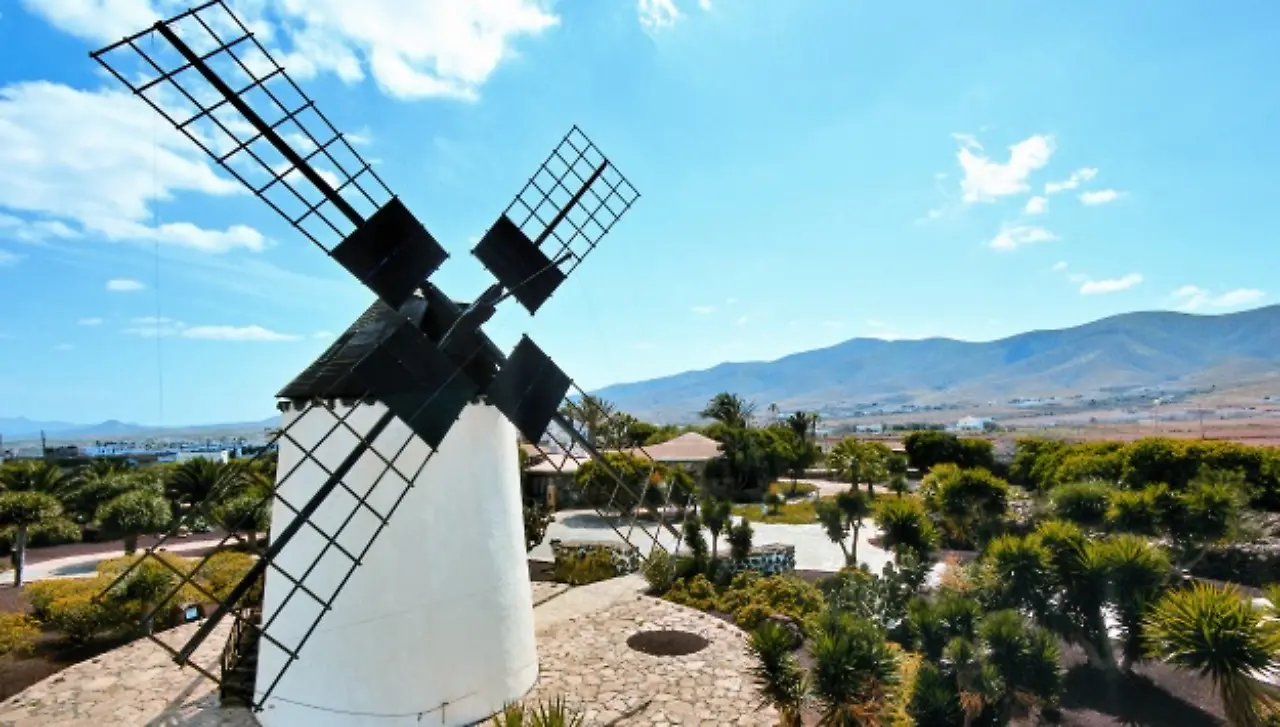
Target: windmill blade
(560, 215)
(214, 82)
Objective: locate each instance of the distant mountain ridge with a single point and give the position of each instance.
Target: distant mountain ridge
(23, 429)
(1127, 350)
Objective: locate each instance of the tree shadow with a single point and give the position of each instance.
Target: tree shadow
(1132, 699)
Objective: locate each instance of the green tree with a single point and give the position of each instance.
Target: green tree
(1026, 659)
(897, 465)
(716, 517)
(740, 537)
(640, 482)
(780, 679)
(858, 461)
(694, 541)
(22, 511)
(843, 516)
(729, 409)
(592, 416)
(33, 476)
(928, 448)
(904, 526)
(1018, 574)
(750, 459)
(1083, 503)
(135, 513)
(1214, 631)
(971, 503)
(200, 480)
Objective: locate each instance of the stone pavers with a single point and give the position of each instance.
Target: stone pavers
(134, 685)
(584, 658)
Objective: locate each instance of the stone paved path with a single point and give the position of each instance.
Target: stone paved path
(134, 685)
(584, 658)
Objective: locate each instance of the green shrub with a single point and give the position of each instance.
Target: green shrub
(740, 537)
(660, 571)
(81, 616)
(223, 571)
(905, 526)
(1135, 511)
(971, 503)
(1083, 503)
(694, 540)
(18, 633)
(1018, 573)
(696, 592)
(595, 566)
(552, 713)
(764, 597)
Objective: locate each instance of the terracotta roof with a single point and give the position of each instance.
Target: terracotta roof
(688, 447)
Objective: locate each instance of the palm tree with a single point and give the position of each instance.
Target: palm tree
(855, 671)
(859, 461)
(196, 481)
(730, 409)
(35, 476)
(1215, 631)
(778, 675)
(1027, 660)
(591, 415)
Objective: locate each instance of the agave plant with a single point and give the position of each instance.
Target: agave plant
(1216, 632)
(778, 675)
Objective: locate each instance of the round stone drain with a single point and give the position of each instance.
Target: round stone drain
(667, 643)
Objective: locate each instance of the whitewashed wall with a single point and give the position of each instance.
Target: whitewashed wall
(436, 627)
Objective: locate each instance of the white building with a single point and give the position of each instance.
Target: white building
(971, 424)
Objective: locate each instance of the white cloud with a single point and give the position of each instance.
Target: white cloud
(322, 334)
(9, 258)
(153, 327)
(101, 160)
(1037, 206)
(1078, 176)
(986, 180)
(742, 321)
(64, 347)
(1060, 266)
(657, 14)
(411, 49)
(89, 322)
(1102, 196)
(237, 333)
(1110, 285)
(704, 4)
(704, 309)
(1014, 236)
(1192, 297)
(967, 141)
(124, 285)
(33, 231)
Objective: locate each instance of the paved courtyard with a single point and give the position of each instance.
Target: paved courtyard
(582, 635)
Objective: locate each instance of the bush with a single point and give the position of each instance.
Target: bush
(756, 599)
(1018, 573)
(660, 571)
(740, 536)
(904, 526)
(694, 539)
(80, 615)
(18, 633)
(696, 592)
(971, 503)
(595, 566)
(1135, 511)
(223, 571)
(1083, 503)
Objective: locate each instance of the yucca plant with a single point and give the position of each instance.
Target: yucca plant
(779, 677)
(1216, 632)
(1139, 573)
(555, 713)
(855, 672)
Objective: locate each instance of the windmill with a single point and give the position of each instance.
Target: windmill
(394, 585)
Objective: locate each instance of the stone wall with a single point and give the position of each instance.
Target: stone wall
(625, 558)
(770, 559)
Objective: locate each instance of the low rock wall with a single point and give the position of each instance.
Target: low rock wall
(625, 558)
(770, 559)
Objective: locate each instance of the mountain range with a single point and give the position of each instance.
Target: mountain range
(22, 428)
(1129, 350)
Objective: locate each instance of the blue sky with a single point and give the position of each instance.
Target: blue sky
(810, 171)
